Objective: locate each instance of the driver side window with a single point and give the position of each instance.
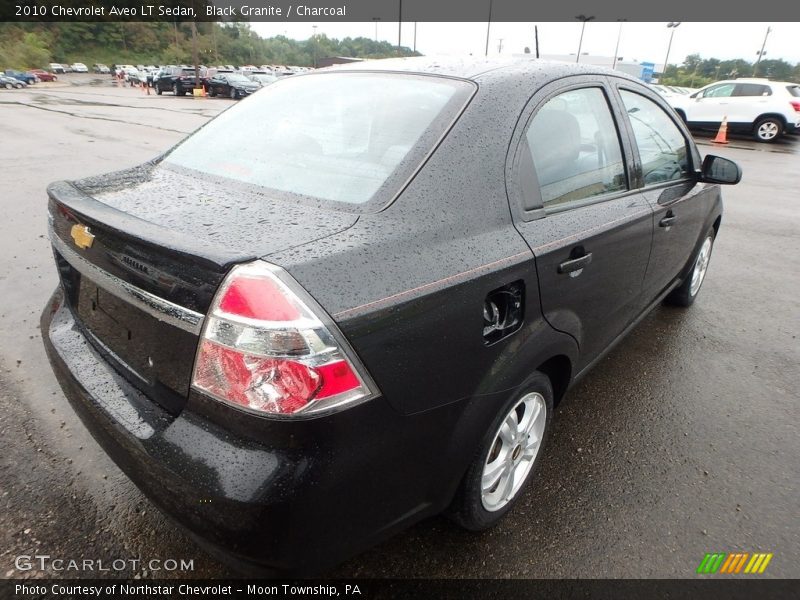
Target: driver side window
(662, 147)
(724, 90)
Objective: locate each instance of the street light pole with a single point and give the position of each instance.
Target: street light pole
(672, 26)
(314, 40)
(488, 28)
(583, 19)
(399, 25)
(616, 50)
(761, 52)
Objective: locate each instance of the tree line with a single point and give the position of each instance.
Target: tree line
(696, 72)
(30, 45)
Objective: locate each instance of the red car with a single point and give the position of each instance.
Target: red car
(43, 75)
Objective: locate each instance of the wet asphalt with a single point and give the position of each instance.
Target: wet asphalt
(684, 440)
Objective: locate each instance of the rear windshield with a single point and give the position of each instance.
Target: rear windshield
(794, 90)
(342, 137)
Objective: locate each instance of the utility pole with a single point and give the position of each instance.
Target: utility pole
(376, 19)
(583, 19)
(195, 58)
(500, 46)
(415, 36)
(536, 36)
(761, 52)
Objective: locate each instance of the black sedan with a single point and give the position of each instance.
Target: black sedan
(232, 85)
(355, 300)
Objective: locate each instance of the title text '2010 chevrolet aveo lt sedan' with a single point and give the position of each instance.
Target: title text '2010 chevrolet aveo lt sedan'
(352, 301)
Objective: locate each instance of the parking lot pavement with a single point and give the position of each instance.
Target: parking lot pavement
(684, 440)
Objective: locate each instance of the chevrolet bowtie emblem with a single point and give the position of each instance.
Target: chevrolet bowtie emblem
(81, 235)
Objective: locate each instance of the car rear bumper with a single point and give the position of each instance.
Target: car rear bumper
(297, 497)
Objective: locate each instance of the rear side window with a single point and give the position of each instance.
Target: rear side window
(342, 137)
(662, 147)
(794, 90)
(751, 89)
(575, 148)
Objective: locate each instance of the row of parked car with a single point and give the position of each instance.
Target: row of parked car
(181, 80)
(12, 78)
(77, 67)
(758, 107)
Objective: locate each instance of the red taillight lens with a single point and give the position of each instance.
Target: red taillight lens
(265, 347)
(255, 298)
(795, 105)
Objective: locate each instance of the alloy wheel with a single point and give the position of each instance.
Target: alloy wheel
(700, 266)
(513, 451)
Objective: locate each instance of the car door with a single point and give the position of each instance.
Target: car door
(666, 160)
(711, 104)
(748, 101)
(589, 230)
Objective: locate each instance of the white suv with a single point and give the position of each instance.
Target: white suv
(763, 108)
(79, 68)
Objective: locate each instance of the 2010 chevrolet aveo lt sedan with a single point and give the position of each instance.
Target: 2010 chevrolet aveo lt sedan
(353, 300)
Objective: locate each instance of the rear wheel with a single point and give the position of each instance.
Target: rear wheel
(507, 457)
(9, 86)
(686, 294)
(767, 129)
(211, 92)
(234, 94)
(158, 90)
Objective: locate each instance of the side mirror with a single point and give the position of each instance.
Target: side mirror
(716, 169)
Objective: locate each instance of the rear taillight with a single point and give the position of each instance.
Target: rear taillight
(269, 347)
(795, 105)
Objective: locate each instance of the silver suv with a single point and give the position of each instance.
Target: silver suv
(766, 109)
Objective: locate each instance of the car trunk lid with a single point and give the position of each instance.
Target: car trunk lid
(142, 253)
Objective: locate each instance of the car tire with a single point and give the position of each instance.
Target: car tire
(515, 457)
(686, 293)
(212, 92)
(767, 129)
(175, 89)
(158, 90)
(9, 86)
(234, 94)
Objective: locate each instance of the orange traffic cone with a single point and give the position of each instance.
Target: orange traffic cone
(722, 134)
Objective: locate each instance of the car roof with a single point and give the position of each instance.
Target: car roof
(473, 68)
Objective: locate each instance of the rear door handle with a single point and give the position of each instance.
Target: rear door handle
(575, 264)
(667, 221)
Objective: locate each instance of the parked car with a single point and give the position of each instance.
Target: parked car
(309, 326)
(765, 109)
(27, 77)
(43, 75)
(11, 82)
(101, 69)
(56, 68)
(79, 67)
(233, 85)
(262, 78)
(178, 80)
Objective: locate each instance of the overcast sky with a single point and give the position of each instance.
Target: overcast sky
(639, 41)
